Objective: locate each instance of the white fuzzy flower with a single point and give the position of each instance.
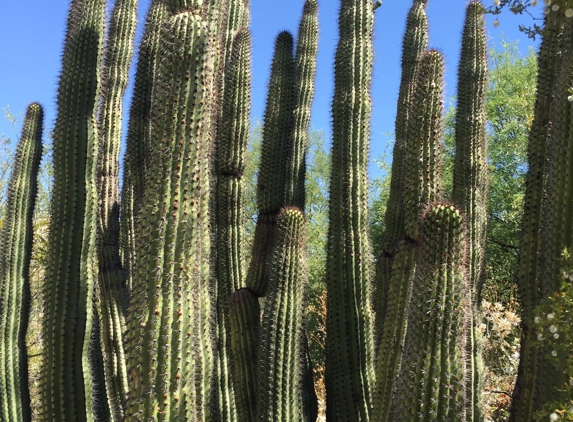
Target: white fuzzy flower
(553, 353)
(536, 319)
(555, 7)
(556, 336)
(569, 13)
(496, 2)
(553, 329)
(496, 23)
(554, 417)
(547, 2)
(571, 382)
(540, 336)
(550, 316)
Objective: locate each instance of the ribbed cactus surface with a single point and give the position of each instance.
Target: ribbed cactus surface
(430, 386)
(470, 188)
(169, 342)
(137, 143)
(113, 293)
(349, 375)
(15, 255)
(280, 366)
(67, 388)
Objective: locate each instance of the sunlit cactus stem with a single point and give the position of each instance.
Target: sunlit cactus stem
(280, 367)
(15, 255)
(169, 341)
(414, 44)
(349, 372)
(70, 390)
(430, 386)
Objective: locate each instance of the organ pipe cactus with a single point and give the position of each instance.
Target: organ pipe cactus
(349, 375)
(169, 343)
(136, 160)
(423, 163)
(430, 386)
(471, 183)
(414, 44)
(15, 255)
(280, 370)
(68, 386)
(113, 294)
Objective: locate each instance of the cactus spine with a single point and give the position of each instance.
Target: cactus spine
(112, 285)
(136, 161)
(280, 378)
(430, 385)
(15, 255)
(471, 185)
(169, 340)
(349, 373)
(422, 179)
(67, 389)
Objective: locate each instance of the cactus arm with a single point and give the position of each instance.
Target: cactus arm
(274, 149)
(349, 373)
(280, 368)
(15, 255)
(112, 277)
(430, 384)
(169, 333)
(136, 160)
(304, 73)
(67, 387)
(244, 315)
(414, 44)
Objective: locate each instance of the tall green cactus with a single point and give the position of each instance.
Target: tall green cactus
(112, 285)
(349, 373)
(532, 253)
(280, 369)
(136, 161)
(15, 255)
(430, 386)
(170, 343)
(274, 149)
(67, 388)
(423, 178)
(470, 188)
(414, 44)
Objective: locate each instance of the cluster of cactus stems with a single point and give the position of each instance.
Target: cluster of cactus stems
(170, 328)
(15, 253)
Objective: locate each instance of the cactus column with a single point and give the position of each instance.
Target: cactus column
(15, 255)
(349, 343)
(113, 292)
(169, 342)
(67, 385)
(471, 185)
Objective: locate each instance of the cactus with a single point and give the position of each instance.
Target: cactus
(244, 315)
(15, 255)
(113, 292)
(280, 370)
(414, 44)
(349, 376)
(229, 227)
(430, 386)
(470, 181)
(136, 161)
(532, 253)
(169, 339)
(67, 390)
(422, 177)
(274, 149)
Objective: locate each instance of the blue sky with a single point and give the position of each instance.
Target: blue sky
(32, 32)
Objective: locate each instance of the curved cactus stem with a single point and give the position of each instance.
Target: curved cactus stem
(67, 391)
(169, 341)
(349, 375)
(113, 293)
(15, 254)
